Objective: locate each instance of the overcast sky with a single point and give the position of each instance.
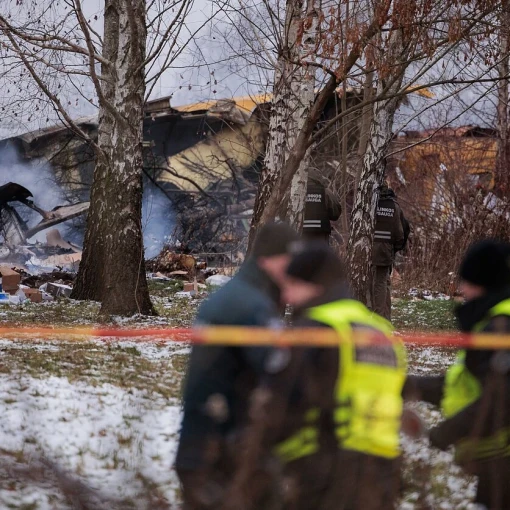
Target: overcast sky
(206, 69)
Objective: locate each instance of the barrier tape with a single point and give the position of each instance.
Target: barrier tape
(237, 336)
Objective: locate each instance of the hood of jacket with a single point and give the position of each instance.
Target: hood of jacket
(386, 193)
(470, 313)
(335, 293)
(251, 273)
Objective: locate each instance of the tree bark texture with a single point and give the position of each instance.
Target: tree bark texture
(112, 269)
(275, 181)
(293, 95)
(304, 92)
(502, 177)
(365, 202)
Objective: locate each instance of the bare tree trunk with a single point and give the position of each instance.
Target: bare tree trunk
(344, 186)
(366, 120)
(112, 269)
(305, 92)
(502, 177)
(365, 202)
(293, 95)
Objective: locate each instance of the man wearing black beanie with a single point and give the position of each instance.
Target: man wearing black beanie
(221, 379)
(474, 393)
(339, 440)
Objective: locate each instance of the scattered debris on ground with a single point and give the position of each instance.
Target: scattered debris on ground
(15, 232)
(55, 276)
(170, 263)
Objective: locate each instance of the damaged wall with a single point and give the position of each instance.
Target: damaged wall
(204, 159)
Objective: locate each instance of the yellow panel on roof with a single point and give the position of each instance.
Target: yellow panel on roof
(247, 103)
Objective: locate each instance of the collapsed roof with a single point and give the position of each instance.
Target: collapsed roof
(14, 229)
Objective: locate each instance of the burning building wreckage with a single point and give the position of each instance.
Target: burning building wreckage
(201, 168)
(18, 254)
(15, 232)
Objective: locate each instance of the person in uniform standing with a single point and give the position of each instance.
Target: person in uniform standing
(321, 208)
(474, 394)
(340, 435)
(390, 236)
(221, 378)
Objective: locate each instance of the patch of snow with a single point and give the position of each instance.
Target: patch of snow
(217, 280)
(106, 434)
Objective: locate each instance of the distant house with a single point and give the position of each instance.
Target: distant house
(428, 168)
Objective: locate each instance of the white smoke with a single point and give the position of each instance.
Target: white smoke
(38, 177)
(157, 220)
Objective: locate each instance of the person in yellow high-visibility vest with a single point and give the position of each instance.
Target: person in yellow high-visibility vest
(474, 393)
(340, 445)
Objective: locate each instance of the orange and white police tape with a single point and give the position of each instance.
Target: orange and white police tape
(236, 335)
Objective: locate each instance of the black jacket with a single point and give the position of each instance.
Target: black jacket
(391, 229)
(225, 375)
(321, 207)
(310, 378)
(480, 363)
(331, 477)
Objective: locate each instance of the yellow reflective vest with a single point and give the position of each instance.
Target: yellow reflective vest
(368, 389)
(462, 388)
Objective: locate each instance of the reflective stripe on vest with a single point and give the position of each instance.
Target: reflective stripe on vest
(368, 388)
(461, 389)
(305, 442)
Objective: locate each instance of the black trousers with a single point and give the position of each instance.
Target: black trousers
(382, 291)
(343, 481)
(309, 234)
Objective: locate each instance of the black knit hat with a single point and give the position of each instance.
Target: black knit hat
(316, 262)
(274, 239)
(487, 264)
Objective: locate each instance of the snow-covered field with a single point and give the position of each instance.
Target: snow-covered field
(118, 438)
(107, 415)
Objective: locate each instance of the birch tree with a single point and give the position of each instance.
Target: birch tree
(346, 36)
(43, 38)
(371, 176)
(398, 56)
(502, 177)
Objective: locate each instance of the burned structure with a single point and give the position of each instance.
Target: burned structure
(204, 158)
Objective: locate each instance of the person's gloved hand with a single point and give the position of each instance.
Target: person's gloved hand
(437, 440)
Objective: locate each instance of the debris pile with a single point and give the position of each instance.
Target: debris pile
(178, 266)
(171, 263)
(18, 285)
(15, 232)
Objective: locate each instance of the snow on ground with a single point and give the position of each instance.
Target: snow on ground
(108, 412)
(431, 478)
(107, 435)
(116, 439)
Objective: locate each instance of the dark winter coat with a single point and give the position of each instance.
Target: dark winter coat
(321, 207)
(391, 229)
(321, 480)
(487, 415)
(222, 377)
